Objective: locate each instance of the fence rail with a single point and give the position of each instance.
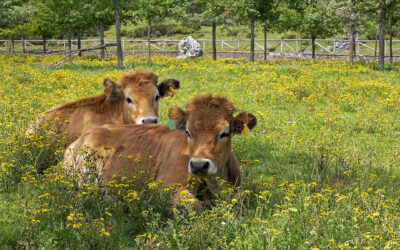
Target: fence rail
(282, 46)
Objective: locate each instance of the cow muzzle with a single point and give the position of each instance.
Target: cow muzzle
(149, 120)
(201, 166)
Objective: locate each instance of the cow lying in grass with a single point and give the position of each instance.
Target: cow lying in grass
(133, 101)
(202, 149)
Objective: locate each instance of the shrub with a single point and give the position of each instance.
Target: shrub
(163, 29)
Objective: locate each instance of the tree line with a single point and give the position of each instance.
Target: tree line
(310, 18)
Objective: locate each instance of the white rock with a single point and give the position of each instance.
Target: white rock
(189, 48)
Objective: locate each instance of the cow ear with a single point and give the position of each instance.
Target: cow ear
(179, 116)
(166, 87)
(177, 113)
(242, 119)
(112, 90)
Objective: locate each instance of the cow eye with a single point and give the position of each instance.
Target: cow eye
(188, 134)
(129, 100)
(223, 135)
(156, 98)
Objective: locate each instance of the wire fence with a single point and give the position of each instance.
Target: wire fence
(231, 48)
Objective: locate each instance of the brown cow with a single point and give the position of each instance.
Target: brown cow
(133, 101)
(203, 149)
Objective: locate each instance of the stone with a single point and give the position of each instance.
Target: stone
(342, 44)
(189, 48)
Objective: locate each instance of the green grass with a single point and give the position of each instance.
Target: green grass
(320, 169)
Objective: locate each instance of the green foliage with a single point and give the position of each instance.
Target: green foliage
(315, 18)
(159, 29)
(14, 17)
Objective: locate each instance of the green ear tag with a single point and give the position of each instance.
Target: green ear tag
(171, 123)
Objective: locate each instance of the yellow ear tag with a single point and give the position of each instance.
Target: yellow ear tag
(245, 131)
(173, 91)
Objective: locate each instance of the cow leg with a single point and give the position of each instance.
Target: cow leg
(234, 172)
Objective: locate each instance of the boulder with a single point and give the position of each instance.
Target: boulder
(189, 48)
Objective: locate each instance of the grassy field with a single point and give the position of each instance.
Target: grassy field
(321, 168)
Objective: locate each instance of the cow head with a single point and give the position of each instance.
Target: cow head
(209, 124)
(139, 95)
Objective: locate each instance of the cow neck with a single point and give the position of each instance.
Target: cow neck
(112, 109)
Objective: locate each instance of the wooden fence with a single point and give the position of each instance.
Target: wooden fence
(274, 46)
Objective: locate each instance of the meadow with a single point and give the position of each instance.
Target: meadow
(320, 170)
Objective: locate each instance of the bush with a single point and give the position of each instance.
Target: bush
(289, 36)
(162, 29)
(33, 154)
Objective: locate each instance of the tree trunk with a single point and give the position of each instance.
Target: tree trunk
(382, 36)
(120, 58)
(391, 39)
(313, 45)
(352, 38)
(351, 45)
(265, 42)
(12, 44)
(78, 34)
(148, 42)
(102, 39)
(44, 44)
(252, 41)
(214, 42)
(376, 44)
(69, 30)
(23, 41)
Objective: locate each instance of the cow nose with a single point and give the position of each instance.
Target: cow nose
(199, 166)
(150, 120)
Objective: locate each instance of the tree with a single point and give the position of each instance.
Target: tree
(253, 11)
(268, 15)
(213, 10)
(243, 12)
(43, 22)
(13, 19)
(350, 13)
(59, 7)
(385, 7)
(151, 11)
(7, 20)
(101, 17)
(120, 56)
(357, 18)
(23, 14)
(382, 16)
(316, 18)
(394, 17)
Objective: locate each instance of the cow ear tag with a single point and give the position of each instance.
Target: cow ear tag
(173, 91)
(171, 123)
(245, 131)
